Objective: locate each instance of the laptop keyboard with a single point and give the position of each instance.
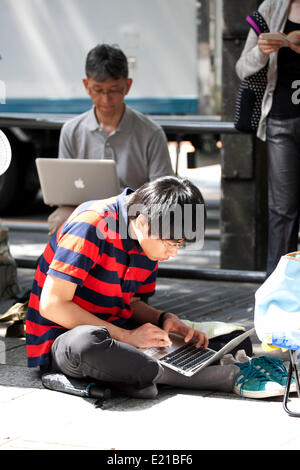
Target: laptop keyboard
(188, 357)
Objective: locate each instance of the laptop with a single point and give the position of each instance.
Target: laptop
(70, 181)
(186, 359)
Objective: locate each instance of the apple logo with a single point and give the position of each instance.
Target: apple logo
(79, 183)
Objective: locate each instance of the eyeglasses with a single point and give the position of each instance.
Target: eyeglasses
(170, 245)
(110, 93)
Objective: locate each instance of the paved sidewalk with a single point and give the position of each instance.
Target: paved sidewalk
(32, 417)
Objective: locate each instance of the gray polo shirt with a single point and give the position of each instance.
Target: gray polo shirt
(138, 146)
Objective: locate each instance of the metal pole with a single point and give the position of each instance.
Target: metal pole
(181, 273)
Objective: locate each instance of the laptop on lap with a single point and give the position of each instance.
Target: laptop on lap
(70, 182)
(186, 359)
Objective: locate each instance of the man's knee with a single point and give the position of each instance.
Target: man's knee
(120, 361)
(91, 351)
(58, 217)
(85, 339)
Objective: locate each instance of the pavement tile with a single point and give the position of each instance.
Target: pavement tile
(42, 419)
(32, 417)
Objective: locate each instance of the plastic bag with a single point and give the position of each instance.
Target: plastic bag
(277, 305)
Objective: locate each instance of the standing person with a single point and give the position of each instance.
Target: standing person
(87, 314)
(111, 129)
(280, 122)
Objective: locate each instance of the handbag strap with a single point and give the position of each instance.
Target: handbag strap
(258, 23)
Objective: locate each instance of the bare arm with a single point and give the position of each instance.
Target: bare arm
(56, 304)
(144, 312)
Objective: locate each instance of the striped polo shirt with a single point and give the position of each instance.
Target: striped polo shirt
(93, 250)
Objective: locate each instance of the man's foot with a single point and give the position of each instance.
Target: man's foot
(275, 369)
(147, 392)
(251, 382)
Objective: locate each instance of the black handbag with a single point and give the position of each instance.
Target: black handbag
(252, 89)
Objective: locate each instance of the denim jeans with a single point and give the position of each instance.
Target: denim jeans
(283, 145)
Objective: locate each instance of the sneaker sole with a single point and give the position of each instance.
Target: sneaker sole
(260, 393)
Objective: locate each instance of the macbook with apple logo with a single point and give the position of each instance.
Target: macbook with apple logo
(71, 182)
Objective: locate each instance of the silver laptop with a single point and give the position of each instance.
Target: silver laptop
(186, 359)
(71, 182)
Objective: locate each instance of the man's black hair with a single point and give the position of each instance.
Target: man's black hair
(174, 207)
(104, 62)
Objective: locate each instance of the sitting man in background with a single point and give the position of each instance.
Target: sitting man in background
(112, 130)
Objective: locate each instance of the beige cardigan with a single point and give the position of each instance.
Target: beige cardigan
(275, 13)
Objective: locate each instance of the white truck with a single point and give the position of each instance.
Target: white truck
(43, 46)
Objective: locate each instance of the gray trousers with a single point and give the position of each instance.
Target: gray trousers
(89, 351)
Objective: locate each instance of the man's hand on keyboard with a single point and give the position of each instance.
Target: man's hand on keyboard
(148, 336)
(172, 324)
